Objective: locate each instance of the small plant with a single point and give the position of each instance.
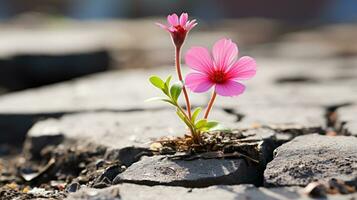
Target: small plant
(222, 70)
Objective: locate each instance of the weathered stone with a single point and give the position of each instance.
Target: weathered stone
(263, 98)
(136, 130)
(308, 119)
(97, 93)
(93, 93)
(165, 170)
(310, 157)
(162, 170)
(36, 56)
(29, 70)
(134, 192)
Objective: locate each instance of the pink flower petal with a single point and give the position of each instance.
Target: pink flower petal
(198, 82)
(162, 26)
(190, 24)
(244, 68)
(199, 59)
(173, 19)
(183, 19)
(225, 52)
(230, 88)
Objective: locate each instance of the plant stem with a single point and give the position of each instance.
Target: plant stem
(195, 135)
(210, 104)
(178, 70)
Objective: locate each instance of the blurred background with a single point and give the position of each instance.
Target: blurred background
(48, 41)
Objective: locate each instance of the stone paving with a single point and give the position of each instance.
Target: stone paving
(89, 110)
(300, 114)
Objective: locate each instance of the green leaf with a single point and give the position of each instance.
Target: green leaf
(195, 114)
(175, 91)
(157, 82)
(211, 124)
(201, 123)
(167, 85)
(168, 79)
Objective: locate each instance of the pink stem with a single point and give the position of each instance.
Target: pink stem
(178, 69)
(210, 104)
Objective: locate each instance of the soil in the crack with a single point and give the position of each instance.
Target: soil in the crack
(62, 169)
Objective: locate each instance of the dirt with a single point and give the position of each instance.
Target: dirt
(58, 171)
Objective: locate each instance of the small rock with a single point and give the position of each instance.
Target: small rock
(105, 182)
(39, 191)
(73, 187)
(110, 173)
(99, 163)
(315, 190)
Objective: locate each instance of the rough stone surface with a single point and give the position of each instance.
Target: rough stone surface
(105, 91)
(310, 157)
(164, 170)
(134, 192)
(137, 129)
(29, 70)
(294, 101)
(97, 92)
(308, 118)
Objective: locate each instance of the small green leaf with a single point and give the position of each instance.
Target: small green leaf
(167, 85)
(175, 91)
(157, 82)
(211, 124)
(195, 114)
(168, 79)
(201, 123)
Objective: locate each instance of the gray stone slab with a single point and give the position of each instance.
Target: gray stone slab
(114, 130)
(313, 157)
(170, 170)
(112, 91)
(134, 192)
(295, 117)
(263, 101)
(164, 170)
(130, 88)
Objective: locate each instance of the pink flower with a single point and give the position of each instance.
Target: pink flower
(178, 27)
(223, 70)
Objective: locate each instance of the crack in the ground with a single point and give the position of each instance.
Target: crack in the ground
(231, 111)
